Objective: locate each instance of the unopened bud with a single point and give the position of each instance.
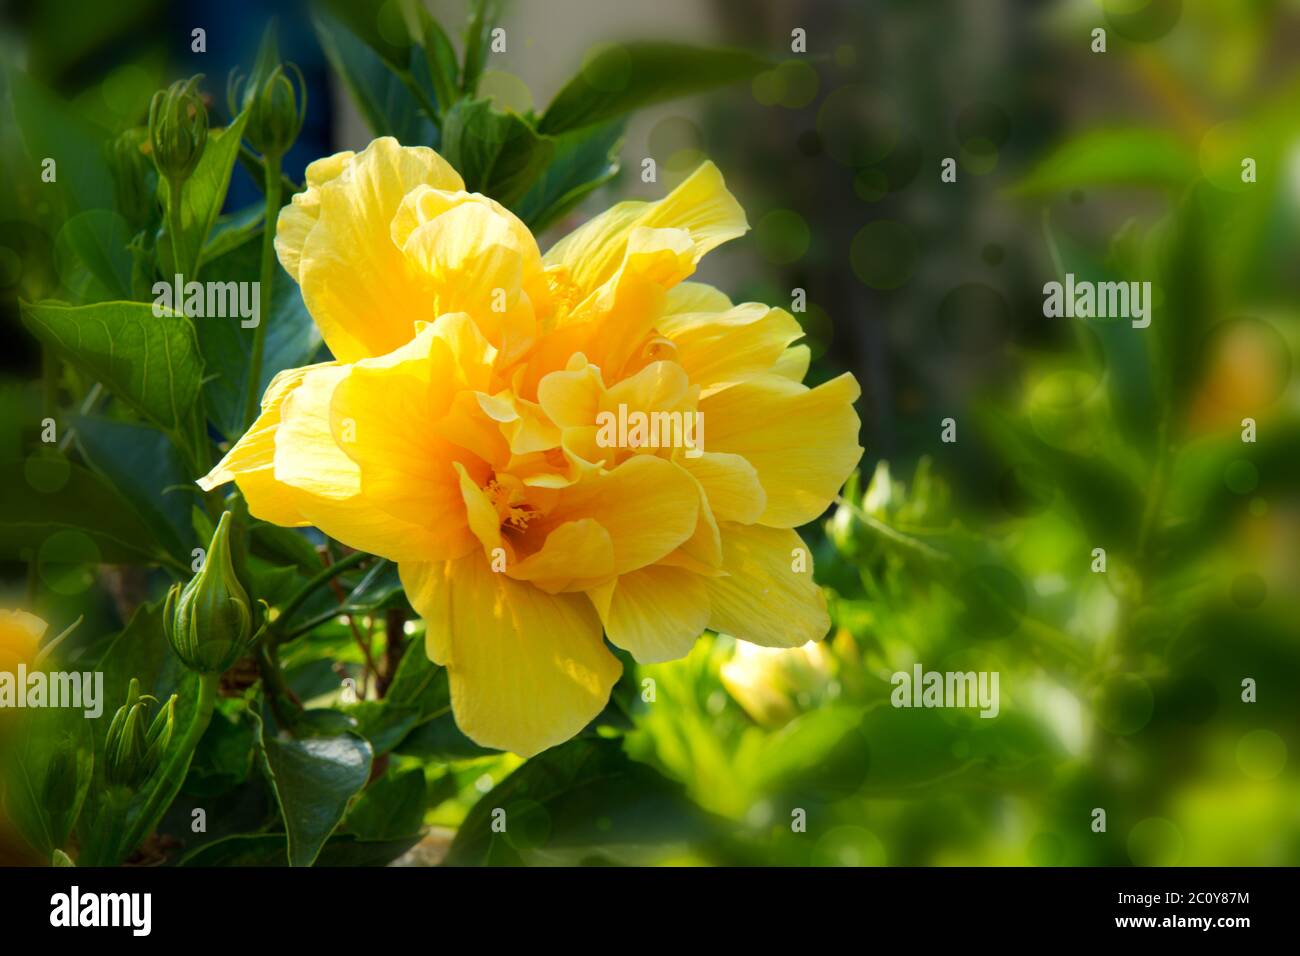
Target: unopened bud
(209, 621)
(132, 750)
(178, 129)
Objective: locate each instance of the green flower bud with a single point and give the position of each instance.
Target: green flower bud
(132, 175)
(133, 751)
(276, 103)
(209, 620)
(178, 129)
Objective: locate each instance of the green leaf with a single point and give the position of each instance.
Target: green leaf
(390, 808)
(574, 803)
(620, 78)
(478, 39)
(51, 129)
(314, 778)
(92, 257)
(385, 101)
(497, 154)
(224, 756)
(584, 160)
(202, 196)
(292, 338)
(233, 230)
(47, 775)
(267, 849)
(152, 363)
(419, 693)
(63, 513)
(1112, 157)
(150, 474)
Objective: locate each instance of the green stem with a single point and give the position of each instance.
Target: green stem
(283, 703)
(324, 577)
(175, 189)
(272, 170)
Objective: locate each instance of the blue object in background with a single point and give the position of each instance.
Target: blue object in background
(234, 31)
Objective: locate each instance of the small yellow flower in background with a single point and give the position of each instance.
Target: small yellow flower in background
(20, 636)
(776, 684)
(457, 433)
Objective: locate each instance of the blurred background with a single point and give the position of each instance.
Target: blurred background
(1161, 689)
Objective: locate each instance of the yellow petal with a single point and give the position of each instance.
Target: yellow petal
(763, 599)
(730, 484)
(20, 636)
(701, 205)
(648, 505)
(251, 461)
(528, 669)
(324, 484)
(576, 555)
(802, 442)
(296, 220)
(655, 613)
(731, 346)
(358, 286)
(695, 297)
(793, 363)
(477, 258)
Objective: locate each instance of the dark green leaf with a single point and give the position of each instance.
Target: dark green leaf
(93, 260)
(291, 337)
(314, 778)
(584, 160)
(148, 471)
(62, 513)
(385, 101)
(619, 78)
(572, 803)
(497, 154)
(390, 808)
(1112, 157)
(150, 362)
(202, 197)
(51, 130)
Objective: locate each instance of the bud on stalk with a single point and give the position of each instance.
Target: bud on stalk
(178, 130)
(209, 620)
(133, 752)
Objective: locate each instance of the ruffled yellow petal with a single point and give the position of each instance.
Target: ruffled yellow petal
(361, 290)
(528, 669)
(731, 346)
(476, 257)
(730, 484)
(648, 505)
(577, 555)
(802, 442)
(251, 460)
(793, 363)
(763, 599)
(656, 613)
(297, 219)
(701, 205)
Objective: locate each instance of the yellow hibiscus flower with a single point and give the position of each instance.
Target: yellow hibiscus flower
(458, 433)
(20, 635)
